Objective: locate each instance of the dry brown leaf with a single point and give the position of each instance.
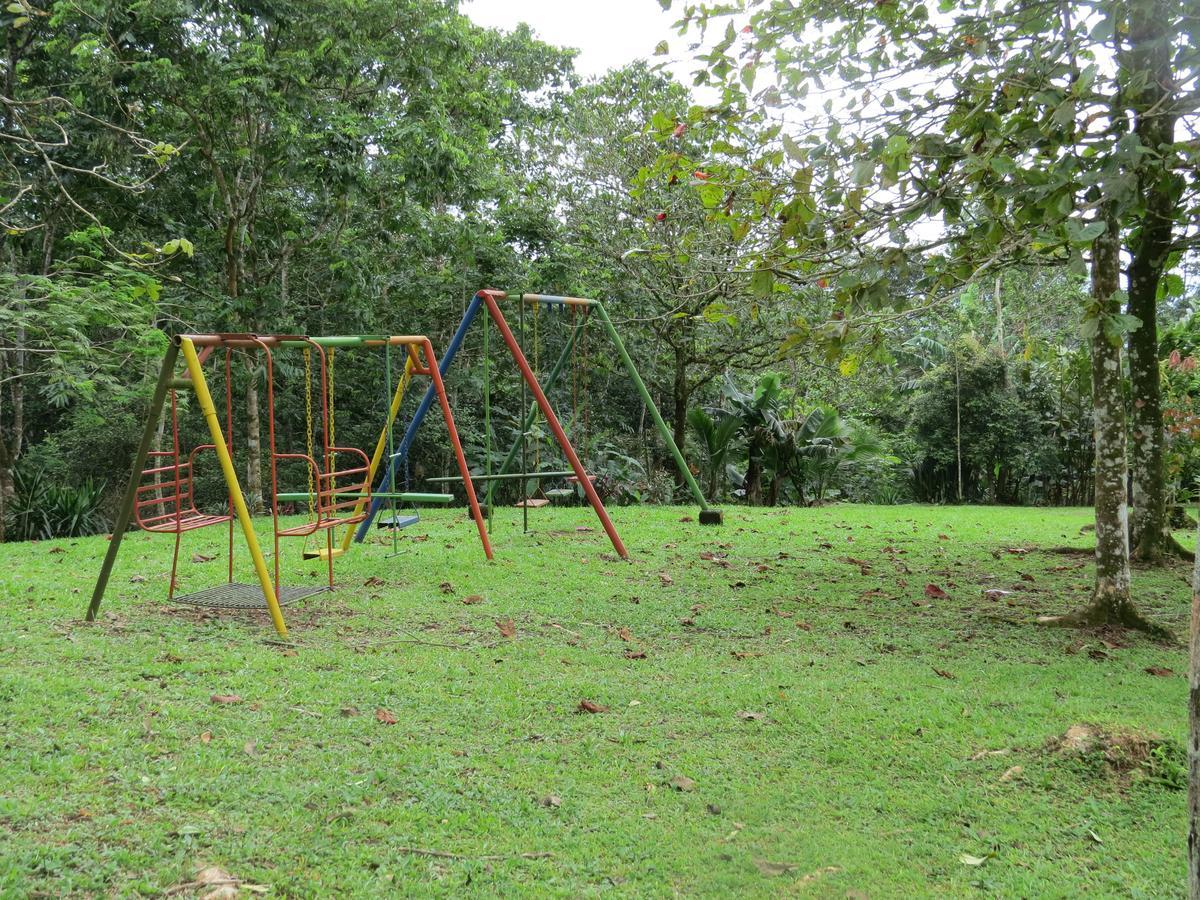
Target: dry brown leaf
(941, 673)
(624, 633)
(682, 783)
(446, 587)
(385, 717)
(635, 654)
(749, 716)
(206, 737)
(1160, 671)
(374, 581)
(226, 699)
(201, 558)
(1012, 772)
(507, 627)
(551, 801)
(665, 579)
(804, 626)
(934, 592)
(590, 706)
(472, 599)
(349, 712)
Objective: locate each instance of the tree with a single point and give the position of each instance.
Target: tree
(675, 274)
(74, 306)
(955, 150)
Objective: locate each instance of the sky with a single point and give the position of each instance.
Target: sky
(608, 34)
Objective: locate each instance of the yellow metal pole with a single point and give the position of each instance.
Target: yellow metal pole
(200, 386)
(380, 446)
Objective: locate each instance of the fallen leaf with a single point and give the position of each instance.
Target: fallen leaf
(374, 581)
(289, 652)
(1012, 772)
(250, 748)
(137, 579)
(1160, 671)
(384, 716)
(206, 737)
(226, 699)
(635, 654)
(624, 633)
(551, 801)
(804, 626)
(507, 627)
(935, 593)
(349, 712)
(968, 860)
(942, 674)
(665, 578)
(201, 558)
(472, 599)
(583, 529)
(590, 706)
(682, 783)
(57, 550)
(749, 716)
(446, 587)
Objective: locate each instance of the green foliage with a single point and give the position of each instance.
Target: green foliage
(41, 510)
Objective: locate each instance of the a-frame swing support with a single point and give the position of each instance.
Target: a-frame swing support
(195, 381)
(708, 515)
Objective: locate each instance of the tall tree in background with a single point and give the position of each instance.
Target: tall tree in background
(75, 303)
(956, 150)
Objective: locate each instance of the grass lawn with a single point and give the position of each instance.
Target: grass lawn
(788, 710)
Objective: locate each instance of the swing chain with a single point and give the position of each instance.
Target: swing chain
(308, 432)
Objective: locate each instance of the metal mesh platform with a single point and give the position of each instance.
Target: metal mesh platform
(244, 596)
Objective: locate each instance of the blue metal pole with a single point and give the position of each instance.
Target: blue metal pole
(418, 417)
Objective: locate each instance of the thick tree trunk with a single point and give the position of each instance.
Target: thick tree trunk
(1149, 246)
(254, 477)
(1111, 603)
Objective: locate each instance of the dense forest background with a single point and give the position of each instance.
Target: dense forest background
(331, 167)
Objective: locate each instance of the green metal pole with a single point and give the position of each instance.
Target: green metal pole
(547, 386)
(165, 379)
(663, 430)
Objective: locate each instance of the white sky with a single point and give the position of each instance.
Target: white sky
(608, 34)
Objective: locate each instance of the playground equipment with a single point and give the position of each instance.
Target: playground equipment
(490, 300)
(167, 503)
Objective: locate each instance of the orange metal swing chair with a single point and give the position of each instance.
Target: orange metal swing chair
(330, 504)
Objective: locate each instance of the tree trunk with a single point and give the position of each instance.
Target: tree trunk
(1149, 246)
(1194, 736)
(254, 477)
(1111, 601)
(754, 472)
(680, 394)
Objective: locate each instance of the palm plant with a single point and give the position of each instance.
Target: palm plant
(760, 423)
(826, 444)
(716, 431)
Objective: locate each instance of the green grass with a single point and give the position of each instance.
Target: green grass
(855, 774)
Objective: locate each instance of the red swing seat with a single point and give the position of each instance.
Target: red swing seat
(332, 498)
(167, 503)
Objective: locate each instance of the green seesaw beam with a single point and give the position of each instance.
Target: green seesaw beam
(403, 496)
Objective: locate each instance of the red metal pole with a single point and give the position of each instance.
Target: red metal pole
(476, 513)
(552, 420)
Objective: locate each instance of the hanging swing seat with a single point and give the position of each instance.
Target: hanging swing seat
(532, 503)
(561, 493)
(332, 504)
(167, 502)
(403, 521)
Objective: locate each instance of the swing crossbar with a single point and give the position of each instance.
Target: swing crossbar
(403, 496)
(555, 300)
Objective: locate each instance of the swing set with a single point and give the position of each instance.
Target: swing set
(161, 495)
(583, 310)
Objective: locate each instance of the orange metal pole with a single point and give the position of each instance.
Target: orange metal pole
(476, 512)
(489, 297)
